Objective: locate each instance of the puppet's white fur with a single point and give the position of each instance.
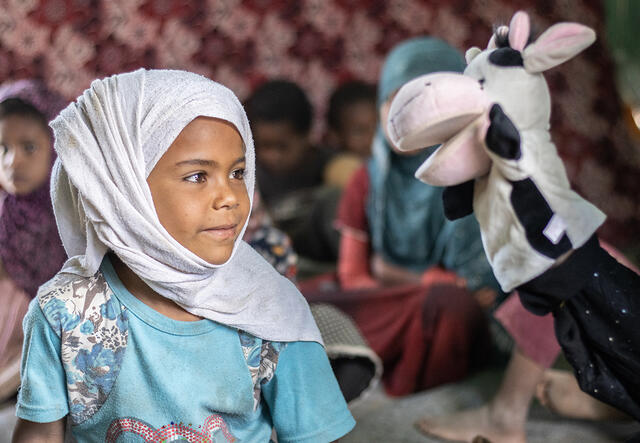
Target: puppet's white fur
(523, 94)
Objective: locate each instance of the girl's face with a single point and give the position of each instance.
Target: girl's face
(25, 154)
(358, 122)
(198, 188)
(280, 149)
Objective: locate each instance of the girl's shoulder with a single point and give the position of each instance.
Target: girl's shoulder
(69, 301)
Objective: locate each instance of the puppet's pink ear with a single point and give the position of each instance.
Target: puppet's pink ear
(519, 30)
(556, 45)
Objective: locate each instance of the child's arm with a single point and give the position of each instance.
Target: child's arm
(353, 262)
(31, 432)
(355, 250)
(42, 400)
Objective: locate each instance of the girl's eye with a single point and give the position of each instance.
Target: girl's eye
(30, 148)
(238, 174)
(199, 177)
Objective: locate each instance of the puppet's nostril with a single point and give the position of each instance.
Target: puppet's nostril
(427, 84)
(481, 81)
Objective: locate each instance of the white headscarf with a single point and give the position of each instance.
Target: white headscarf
(108, 141)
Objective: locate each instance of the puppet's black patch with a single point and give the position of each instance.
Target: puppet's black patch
(458, 200)
(534, 213)
(502, 136)
(506, 57)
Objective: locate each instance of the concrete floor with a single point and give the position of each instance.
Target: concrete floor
(390, 420)
(383, 419)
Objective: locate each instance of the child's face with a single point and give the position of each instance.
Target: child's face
(279, 148)
(357, 127)
(198, 188)
(25, 154)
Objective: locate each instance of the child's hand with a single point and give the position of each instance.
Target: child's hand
(485, 297)
(437, 274)
(31, 432)
(389, 274)
(362, 282)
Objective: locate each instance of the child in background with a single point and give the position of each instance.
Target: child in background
(352, 119)
(281, 115)
(405, 272)
(395, 219)
(30, 249)
(290, 171)
(163, 323)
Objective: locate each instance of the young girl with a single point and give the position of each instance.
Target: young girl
(163, 324)
(402, 266)
(30, 249)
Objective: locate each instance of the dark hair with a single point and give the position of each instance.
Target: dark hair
(354, 91)
(22, 108)
(280, 101)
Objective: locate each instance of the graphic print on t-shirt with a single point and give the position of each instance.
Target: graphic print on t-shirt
(214, 430)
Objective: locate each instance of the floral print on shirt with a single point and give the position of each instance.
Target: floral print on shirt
(262, 359)
(93, 331)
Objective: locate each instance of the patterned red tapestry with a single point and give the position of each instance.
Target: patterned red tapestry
(320, 43)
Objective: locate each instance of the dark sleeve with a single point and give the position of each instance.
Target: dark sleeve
(595, 304)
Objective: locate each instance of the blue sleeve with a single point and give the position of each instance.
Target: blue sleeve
(304, 398)
(43, 395)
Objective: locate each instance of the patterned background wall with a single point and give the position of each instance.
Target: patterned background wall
(320, 43)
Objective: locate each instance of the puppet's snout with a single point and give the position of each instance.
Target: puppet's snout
(432, 108)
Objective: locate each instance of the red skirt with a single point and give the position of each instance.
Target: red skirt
(426, 335)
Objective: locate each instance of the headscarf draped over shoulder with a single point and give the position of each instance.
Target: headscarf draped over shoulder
(108, 142)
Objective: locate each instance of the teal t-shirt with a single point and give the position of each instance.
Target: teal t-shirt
(151, 378)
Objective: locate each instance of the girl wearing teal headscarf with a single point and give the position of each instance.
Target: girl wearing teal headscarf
(404, 220)
(394, 233)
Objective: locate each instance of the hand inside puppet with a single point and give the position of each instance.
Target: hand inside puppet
(497, 161)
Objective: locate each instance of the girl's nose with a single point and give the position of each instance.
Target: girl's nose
(225, 196)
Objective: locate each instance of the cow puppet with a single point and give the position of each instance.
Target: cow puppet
(498, 161)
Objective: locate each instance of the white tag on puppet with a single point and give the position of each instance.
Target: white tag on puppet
(555, 229)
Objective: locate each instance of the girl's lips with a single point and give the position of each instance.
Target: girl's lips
(222, 232)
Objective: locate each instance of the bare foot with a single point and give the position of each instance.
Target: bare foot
(559, 392)
(475, 425)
